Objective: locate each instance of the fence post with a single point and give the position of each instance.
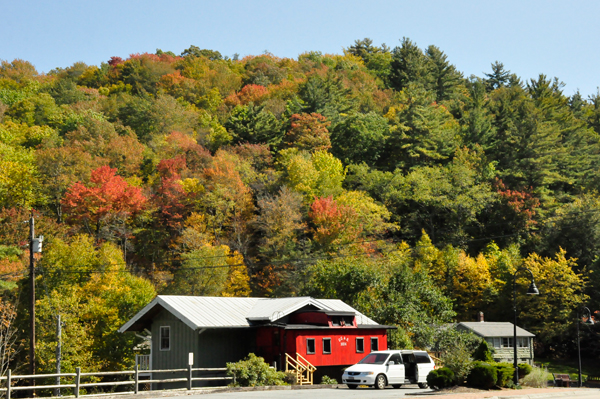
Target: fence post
(77, 380)
(189, 377)
(137, 377)
(8, 376)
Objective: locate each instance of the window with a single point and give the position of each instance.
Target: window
(523, 342)
(310, 346)
(422, 358)
(342, 321)
(165, 338)
(395, 358)
(360, 345)
(507, 342)
(374, 344)
(326, 345)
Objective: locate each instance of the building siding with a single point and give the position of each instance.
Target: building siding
(183, 341)
(217, 347)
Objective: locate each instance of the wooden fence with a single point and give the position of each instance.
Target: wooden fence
(77, 385)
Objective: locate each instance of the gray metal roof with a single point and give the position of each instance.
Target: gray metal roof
(494, 329)
(275, 308)
(336, 304)
(212, 312)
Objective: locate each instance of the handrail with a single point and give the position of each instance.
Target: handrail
(308, 364)
(300, 367)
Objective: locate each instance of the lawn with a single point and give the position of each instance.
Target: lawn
(569, 366)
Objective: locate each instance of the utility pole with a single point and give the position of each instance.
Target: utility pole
(58, 352)
(31, 299)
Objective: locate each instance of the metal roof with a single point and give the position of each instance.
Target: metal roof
(275, 308)
(336, 304)
(212, 312)
(494, 329)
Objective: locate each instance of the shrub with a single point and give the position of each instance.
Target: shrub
(253, 371)
(459, 361)
(504, 373)
(537, 378)
(482, 376)
(290, 378)
(328, 380)
(484, 352)
(524, 369)
(440, 378)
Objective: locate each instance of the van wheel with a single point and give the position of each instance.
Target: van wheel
(380, 382)
(352, 386)
(397, 386)
(422, 385)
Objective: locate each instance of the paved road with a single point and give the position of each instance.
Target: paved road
(363, 393)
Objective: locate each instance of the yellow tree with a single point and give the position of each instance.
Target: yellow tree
(471, 285)
(94, 293)
(549, 315)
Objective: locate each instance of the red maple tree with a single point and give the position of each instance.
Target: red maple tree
(107, 194)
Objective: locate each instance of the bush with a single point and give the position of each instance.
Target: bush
(290, 378)
(484, 352)
(253, 371)
(440, 378)
(537, 378)
(328, 380)
(504, 373)
(482, 376)
(459, 360)
(524, 369)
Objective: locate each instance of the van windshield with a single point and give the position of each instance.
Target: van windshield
(374, 358)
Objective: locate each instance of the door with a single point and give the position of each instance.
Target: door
(410, 367)
(395, 372)
(424, 365)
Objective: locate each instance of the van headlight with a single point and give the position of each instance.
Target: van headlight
(368, 373)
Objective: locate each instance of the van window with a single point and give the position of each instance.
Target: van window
(310, 346)
(395, 358)
(408, 358)
(422, 358)
(360, 345)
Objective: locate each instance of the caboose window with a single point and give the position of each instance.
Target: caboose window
(310, 346)
(374, 344)
(360, 345)
(326, 345)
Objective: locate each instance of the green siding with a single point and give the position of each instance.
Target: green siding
(219, 346)
(183, 341)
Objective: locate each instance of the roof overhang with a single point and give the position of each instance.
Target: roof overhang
(143, 318)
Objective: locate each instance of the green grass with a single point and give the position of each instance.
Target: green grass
(569, 366)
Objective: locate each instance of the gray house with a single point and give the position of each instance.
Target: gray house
(500, 336)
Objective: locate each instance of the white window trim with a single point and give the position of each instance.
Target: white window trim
(314, 346)
(323, 343)
(161, 338)
(363, 344)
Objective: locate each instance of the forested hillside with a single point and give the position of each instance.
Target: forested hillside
(382, 177)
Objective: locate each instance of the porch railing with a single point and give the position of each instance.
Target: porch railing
(301, 367)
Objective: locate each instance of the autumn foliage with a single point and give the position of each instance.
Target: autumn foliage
(334, 224)
(107, 194)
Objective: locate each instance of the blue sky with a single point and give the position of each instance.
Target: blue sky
(529, 37)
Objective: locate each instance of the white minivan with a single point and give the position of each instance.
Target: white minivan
(391, 367)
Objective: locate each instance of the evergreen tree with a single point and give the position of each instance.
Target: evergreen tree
(498, 78)
(409, 65)
(445, 76)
